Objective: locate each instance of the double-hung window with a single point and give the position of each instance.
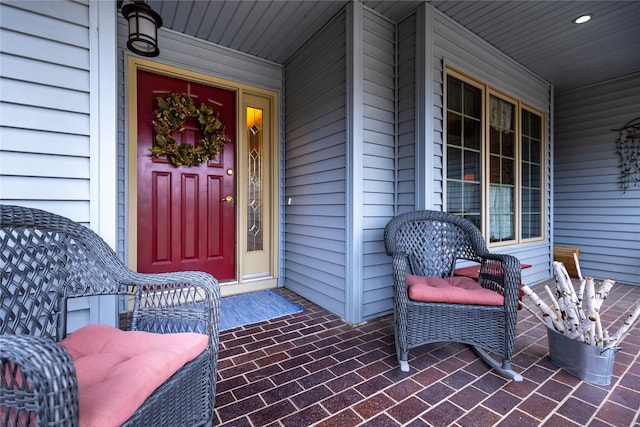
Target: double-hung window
(494, 161)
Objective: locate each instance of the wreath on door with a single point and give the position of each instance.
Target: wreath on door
(170, 117)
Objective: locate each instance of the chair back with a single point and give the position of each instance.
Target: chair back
(46, 259)
(433, 241)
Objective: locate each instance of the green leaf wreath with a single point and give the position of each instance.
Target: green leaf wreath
(170, 117)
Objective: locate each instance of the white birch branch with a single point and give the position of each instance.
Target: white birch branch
(543, 319)
(578, 270)
(591, 313)
(566, 314)
(567, 299)
(549, 317)
(598, 332)
(614, 339)
(582, 281)
(554, 302)
(603, 292)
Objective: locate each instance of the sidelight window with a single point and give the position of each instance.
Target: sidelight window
(255, 202)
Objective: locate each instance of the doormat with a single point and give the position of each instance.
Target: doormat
(255, 307)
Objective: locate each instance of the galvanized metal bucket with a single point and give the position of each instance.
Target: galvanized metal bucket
(587, 362)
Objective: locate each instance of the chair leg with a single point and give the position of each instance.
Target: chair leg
(404, 364)
(504, 369)
(403, 356)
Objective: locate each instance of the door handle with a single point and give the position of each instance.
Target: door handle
(227, 199)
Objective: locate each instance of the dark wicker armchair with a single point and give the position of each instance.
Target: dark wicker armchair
(429, 243)
(46, 260)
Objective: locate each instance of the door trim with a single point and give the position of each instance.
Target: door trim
(245, 282)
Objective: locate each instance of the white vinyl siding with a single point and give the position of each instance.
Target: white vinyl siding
(333, 174)
(379, 142)
(315, 175)
(45, 106)
(406, 81)
(591, 210)
(56, 123)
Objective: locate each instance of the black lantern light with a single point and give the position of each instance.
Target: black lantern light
(143, 28)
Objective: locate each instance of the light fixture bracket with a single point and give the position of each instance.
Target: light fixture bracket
(143, 28)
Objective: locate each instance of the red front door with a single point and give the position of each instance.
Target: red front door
(186, 214)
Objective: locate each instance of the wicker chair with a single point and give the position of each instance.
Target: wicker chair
(46, 260)
(429, 243)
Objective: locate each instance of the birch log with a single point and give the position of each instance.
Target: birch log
(567, 315)
(591, 314)
(567, 299)
(554, 302)
(543, 319)
(582, 281)
(548, 316)
(603, 292)
(615, 339)
(578, 270)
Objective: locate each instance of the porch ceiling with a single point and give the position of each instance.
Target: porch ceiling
(538, 34)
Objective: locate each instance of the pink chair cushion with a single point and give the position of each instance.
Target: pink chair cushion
(118, 370)
(453, 290)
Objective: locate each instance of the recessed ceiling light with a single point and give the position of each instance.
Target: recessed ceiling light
(582, 19)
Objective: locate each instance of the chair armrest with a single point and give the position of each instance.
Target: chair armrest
(177, 302)
(186, 301)
(502, 273)
(38, 382)
(401, 267)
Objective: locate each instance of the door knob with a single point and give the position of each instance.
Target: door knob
(227, 199)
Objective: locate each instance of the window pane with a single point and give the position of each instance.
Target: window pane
(508, 171)
(526, 123)
(494, 141)
(472, 133)
(454, 197)
(526, 201)
(454, 129)
(531, 226)
(472, 166)
(501, 215)
(494, 170)
(472, 101)
(526, 148)
(536, 206)
(536, 151)
(508, 144)
(532, 175)
(464, 139)
(536, 125)
(502, 179)
(501, 114)
(471, 204)
(526, 175)
(535, 177)
(454, 94)
(454, 163)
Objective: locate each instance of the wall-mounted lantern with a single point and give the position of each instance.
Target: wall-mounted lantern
(143, 28)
